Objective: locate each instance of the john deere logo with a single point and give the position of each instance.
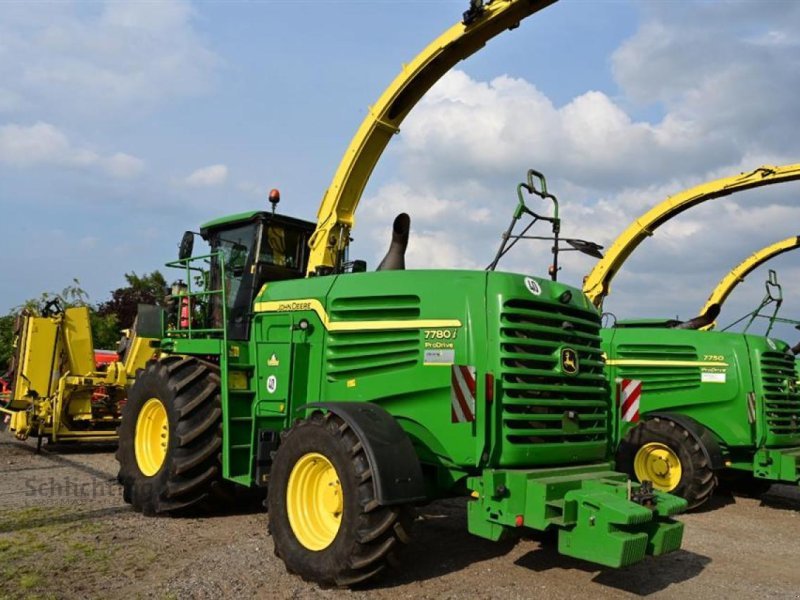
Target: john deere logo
(569, 361)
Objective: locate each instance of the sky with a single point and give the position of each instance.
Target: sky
(122, 124)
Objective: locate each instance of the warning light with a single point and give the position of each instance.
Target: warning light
(519, 521)
(274, 198)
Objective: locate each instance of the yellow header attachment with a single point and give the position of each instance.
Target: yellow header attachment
(335, 215)
(598, 283)
(737, 275)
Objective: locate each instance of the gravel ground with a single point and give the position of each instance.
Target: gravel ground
(66, 533)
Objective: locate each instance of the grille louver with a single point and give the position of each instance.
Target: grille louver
(660, 378)
(781, 397)
(354, 354)
(542, 406)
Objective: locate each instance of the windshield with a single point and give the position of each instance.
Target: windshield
(282, 247)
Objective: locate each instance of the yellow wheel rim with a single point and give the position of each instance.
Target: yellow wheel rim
(314, 501)
(657, 462)
(152, 437)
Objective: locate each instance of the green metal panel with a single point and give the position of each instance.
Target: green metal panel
(408, 370)
(702, 374)
(195, 346)
(274, 364)
(777, 465)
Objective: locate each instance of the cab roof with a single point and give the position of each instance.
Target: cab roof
(246, 217)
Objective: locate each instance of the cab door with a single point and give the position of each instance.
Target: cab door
(274, 363)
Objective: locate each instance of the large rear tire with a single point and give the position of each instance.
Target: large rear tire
(170, 437)
(323, 517)
(661, 451)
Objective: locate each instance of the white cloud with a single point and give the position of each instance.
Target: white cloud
(712, 67)
(207, 176)
(488, 129)
(43, 144)
(123, 165)
(22, 146)
(431, 245)
(252, 189)
(97, 60)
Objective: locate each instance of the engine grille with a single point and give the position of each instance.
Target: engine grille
(542, 406)
(660, 377)
(361, 353)
(781, 397)
(353, 354)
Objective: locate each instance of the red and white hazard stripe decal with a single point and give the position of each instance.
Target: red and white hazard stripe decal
(630, 391)
(462, 397)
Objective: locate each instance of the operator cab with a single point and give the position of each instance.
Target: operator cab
(253, 248)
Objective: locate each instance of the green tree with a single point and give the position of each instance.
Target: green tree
(150, 288)
(106, 331)
(6, 341)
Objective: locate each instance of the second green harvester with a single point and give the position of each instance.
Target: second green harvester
(695, 405)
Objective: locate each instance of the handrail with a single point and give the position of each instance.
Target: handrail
(189, 332)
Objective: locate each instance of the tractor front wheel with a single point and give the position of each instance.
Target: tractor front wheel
(662, 451)
(323, 517)
(169, 437)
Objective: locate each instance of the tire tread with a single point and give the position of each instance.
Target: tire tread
(698, 480)
(192, 470)
(379, 533)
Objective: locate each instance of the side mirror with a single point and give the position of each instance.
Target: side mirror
(187, 245)
(589, 248)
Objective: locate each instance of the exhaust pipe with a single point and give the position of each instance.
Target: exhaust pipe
(702, 320)
(395, 259)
